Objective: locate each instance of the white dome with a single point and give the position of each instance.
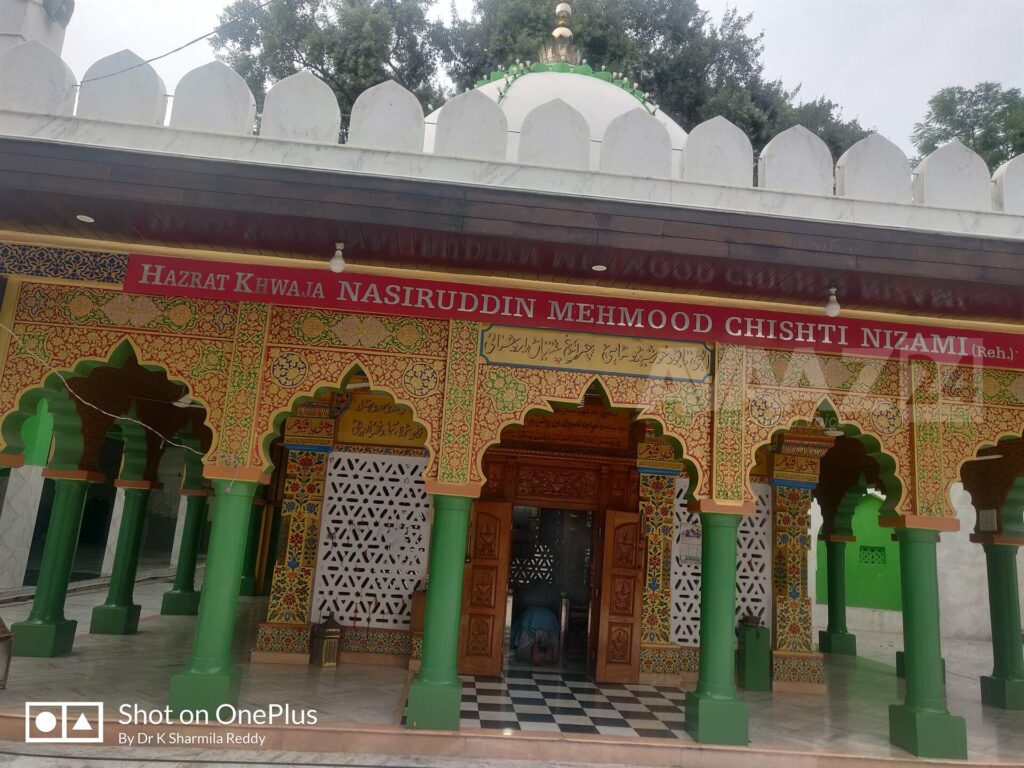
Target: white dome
(599, 101)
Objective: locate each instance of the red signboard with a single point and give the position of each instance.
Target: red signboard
(567, 311)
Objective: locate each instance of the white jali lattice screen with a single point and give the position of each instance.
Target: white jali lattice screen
(753, 566)
(374, 539)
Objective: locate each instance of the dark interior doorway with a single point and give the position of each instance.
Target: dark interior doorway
(550, 569)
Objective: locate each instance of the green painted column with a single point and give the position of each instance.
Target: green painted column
(46, 632)
(922, 725)
(435, 697)
(247, 584)
(183, 599)
(119, 614)
(836, 638)
(1004, 688)
(714, 713)
(209, 679)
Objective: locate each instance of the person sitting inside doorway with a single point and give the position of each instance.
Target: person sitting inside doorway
(536, 636)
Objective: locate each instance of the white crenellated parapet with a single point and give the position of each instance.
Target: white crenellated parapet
(389, 117)
(302, 107)
(1008, 187)
(471, 126)
(874, 169)
(214, 99)
(122, 88)
(718, 152)
(796, 161)
(953, 176)
(637, 144)
(554, 135)
(42, 20)
(33, 78)
(605, 141)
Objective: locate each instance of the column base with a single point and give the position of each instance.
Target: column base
(928, 734)
(44, 639)
(175, 603)
(115, 619)
(202, 692)
(1005, 694)
(837, 642)
(901, 669)
(716, 721)
(434, 706)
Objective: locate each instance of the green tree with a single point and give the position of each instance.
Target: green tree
(987, 118)
(349, 44)
(692, 67)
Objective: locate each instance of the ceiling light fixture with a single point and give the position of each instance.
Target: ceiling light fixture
(337, 263)
(85, 219)
(599, 268)
(832, 308)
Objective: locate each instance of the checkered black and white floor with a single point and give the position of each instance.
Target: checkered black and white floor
(567, 703)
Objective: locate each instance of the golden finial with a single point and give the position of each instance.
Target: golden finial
(561, 47)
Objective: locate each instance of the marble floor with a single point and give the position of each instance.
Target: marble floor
(851, 719)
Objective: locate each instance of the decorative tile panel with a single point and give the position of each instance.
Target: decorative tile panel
(62, 263)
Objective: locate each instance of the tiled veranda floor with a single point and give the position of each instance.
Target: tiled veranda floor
(851, 719)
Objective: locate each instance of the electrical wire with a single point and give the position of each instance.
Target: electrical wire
(67, 385)
(199, 39)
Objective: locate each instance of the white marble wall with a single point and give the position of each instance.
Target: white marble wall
(963, 583)
(115, 526)
(17, 522)
(178, 527)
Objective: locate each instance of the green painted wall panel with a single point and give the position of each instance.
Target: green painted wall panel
(872, 563)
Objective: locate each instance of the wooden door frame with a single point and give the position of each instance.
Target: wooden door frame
(527, 478)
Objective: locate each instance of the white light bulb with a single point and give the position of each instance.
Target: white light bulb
(337, 263)
(832, 307)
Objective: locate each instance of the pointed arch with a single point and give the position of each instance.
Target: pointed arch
(69, 449)
(356, 366)
(679, 411)
(825, 408)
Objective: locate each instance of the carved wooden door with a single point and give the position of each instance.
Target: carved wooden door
(485, 585)
(618, 644)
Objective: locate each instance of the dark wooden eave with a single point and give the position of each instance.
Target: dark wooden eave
(155, 199)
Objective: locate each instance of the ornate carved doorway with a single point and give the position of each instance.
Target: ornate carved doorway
(573, 470)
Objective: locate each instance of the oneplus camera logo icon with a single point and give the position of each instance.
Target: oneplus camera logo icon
(64, 722)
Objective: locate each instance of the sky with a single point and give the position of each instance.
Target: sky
(880, 59)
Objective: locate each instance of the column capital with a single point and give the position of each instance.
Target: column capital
(998, 539)
(82, 475)
(837, 537)
(785, 482)
(920, 522)
(138, 485)
(219, 472)
(12, 460)
(713, 506)
(468, 490)
(235, 488)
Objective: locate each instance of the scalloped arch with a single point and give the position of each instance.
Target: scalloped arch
(888, 473)
(545, 404)
(67, 424)
(270, 430)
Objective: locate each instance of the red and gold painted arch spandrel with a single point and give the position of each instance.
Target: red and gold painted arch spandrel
(249, 364)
